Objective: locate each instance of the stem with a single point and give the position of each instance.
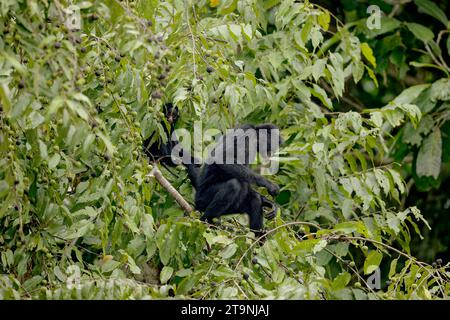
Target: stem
(172, 191)
(193, 40)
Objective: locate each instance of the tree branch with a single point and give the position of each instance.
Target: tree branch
(170, 189)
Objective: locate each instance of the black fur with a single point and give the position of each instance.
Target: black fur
(159, 151)
(226, 188)
(222, 188)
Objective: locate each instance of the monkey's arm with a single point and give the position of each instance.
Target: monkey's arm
(245, 173)
(193, 173)
(193, 167)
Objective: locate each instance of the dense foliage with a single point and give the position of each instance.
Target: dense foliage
(411, 52)
(81, 216)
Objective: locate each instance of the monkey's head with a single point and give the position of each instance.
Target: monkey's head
(269, 139)
(171, 113)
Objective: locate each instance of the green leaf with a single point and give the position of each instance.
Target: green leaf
(368, 54)
(319, 93)
(131, 263)
(410, 94)
(110, 265)
(306, 245)
(187, 284)
(56, 103)
(54, 160)
(341, 249)
(387, 24)
(32, 283)
(229, 251)
(412, 111)
(425, 65)
(372, 261)
(430, 155)
(323, 258)
(4, 97)
(183, 273)
(167, 243)
(278, 275)
(324, 19)
(420, 32)
(433, 10)
(398, 181)
(347, 208)
(358, 71)
(349, 227)
(341, 281)
(35, 119)
(165, 274)
(14, 62)
(393, 268)
(376, 118)
(59, 274)
(425, 103)
(223, 272)
(372, 75)
(440, 90)
(147, 225)
(306, 29)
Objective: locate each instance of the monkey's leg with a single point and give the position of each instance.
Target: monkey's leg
(253, 207)
(225, 196)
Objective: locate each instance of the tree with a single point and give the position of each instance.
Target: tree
(80, 216)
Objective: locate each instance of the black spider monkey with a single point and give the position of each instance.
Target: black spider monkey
(222, 188)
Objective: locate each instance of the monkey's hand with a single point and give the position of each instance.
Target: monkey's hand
(272, 213)
(273, 189)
